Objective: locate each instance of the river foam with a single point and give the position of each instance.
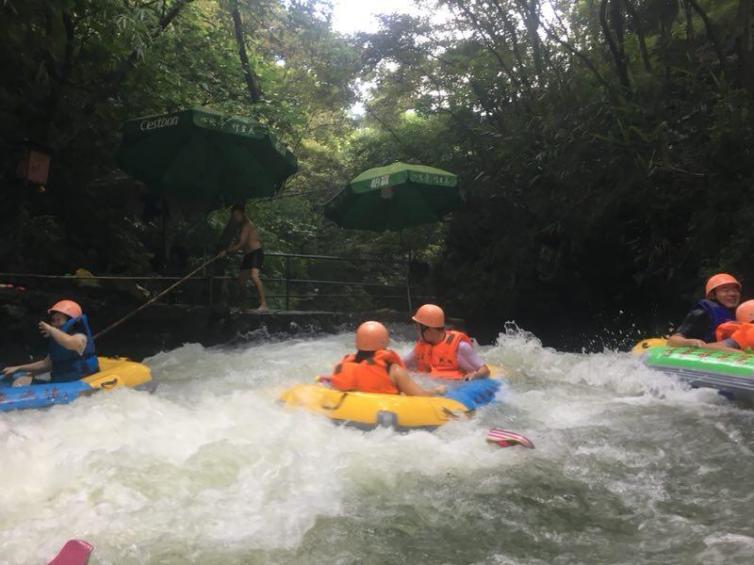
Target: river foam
(630, 467)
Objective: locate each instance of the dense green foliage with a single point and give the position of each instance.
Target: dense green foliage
(605, 146)
(606, 149)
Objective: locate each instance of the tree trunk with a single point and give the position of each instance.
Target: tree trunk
(710, 32)
(530, 15)
(689, 21)
(581, 57)
(639, 34)
(511, 29)
(251, 78)
(745, 44)
(59, 72)
(615, 49)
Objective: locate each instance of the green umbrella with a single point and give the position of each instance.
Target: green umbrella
(395, 197)
(197, 154)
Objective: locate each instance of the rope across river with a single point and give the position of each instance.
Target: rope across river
(154, 299)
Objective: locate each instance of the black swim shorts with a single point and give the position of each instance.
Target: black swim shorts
(253, 260)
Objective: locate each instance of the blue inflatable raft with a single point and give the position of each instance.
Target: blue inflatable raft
(114, 373)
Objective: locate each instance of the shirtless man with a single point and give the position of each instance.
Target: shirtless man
(253, 259)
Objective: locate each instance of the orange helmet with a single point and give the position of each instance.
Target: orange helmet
(67, 307)
(430, 315)
(745, 312)
(372, 336)
(718, 280)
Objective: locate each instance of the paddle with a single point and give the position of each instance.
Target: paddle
(506, 438)
(74, 552)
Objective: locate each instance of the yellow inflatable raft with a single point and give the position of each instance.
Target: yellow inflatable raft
(368, 410)
(118, 371)
(645, 344)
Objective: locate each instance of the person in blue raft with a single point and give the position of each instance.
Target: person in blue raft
(722, 296)
(71, 348)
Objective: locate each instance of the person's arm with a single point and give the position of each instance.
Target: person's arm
(75, 342)
(678, 340)
(696, 323)
(470, 363)
(409, 360)
(407, 386)
(36, 367)
(728, 345)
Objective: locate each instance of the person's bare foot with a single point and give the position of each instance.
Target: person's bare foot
(262, 309)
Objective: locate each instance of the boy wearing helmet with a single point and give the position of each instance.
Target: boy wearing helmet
(375, 368)
(71, 347)
(444, 354)
(722, 296)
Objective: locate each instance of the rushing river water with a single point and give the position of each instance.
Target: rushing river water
(630, 467)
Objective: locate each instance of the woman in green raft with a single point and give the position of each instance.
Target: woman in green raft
(722, 296)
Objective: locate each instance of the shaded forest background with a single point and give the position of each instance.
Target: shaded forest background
(605, 147)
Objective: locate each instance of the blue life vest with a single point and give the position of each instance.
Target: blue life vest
(718, 314)
(68, 365)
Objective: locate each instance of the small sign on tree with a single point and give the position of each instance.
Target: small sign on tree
(34, 166)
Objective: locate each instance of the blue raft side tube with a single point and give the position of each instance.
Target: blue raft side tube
(477, 393)
(40, 396)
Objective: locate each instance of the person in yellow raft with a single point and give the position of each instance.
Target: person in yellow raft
(375, 368)
(722, 296)
(443, 353)
(71, 347)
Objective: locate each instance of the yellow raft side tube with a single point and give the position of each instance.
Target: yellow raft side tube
(118, 372)
(645, 344)
(369, 410)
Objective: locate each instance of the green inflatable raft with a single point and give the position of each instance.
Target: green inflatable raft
(730, 373)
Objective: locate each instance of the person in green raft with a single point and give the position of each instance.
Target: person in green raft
(722, 296)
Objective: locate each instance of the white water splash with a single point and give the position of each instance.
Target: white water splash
(211, 467)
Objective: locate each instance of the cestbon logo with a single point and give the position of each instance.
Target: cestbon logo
(158, 123)
(379, 182)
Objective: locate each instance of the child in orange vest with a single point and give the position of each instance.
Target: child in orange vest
(443, 353)
(738, 335)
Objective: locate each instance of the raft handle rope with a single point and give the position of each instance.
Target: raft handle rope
(337, 405)
(156, 298)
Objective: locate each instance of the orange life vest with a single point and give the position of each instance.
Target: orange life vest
(744, 336)
(726, 330)
(369, 375)
(441, 359)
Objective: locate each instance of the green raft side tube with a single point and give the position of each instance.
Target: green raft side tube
(730, 373)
